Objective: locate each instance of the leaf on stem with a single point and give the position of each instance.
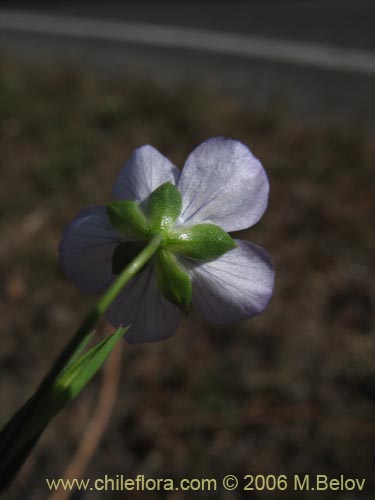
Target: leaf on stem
(80, 371)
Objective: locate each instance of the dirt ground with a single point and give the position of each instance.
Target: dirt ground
(288, 392)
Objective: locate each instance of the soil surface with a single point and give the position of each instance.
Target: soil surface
(288, 392)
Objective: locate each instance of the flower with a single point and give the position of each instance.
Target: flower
(221, 188)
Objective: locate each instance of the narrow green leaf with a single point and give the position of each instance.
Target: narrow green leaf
(19, 420)
(80, 348)
(65, 387)
(173, 281)
(80, 372)
(164, 206)
(201, 242)
(127, 217)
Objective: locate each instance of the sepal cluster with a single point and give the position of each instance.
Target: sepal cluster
(199, 242)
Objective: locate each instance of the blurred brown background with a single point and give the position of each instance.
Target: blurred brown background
(289, 392)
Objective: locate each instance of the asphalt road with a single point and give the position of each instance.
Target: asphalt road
(310, 91)
(342, 24)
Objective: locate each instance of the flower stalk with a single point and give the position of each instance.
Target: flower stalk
(181, 221)
(68, 376)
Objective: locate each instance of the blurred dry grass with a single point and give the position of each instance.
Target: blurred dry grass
(288, 392)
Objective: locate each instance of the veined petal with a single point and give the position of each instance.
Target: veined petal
(222, 182)
(146, 170)
(235, 286)
(86, 249)
(142, 306)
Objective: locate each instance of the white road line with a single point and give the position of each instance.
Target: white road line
(294, 52)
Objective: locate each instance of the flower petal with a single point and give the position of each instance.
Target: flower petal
(146, 170)
(223, 183)
(235, 286)
(142, 306)
(86, 250)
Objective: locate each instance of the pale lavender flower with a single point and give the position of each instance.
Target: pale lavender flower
(221, 183)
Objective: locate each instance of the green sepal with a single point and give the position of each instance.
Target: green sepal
(201, 242)
(173, 281)
(124, 253)
(127, 217)
(164, 206)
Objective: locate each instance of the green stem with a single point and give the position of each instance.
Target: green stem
(101, 307)
(17, 432)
